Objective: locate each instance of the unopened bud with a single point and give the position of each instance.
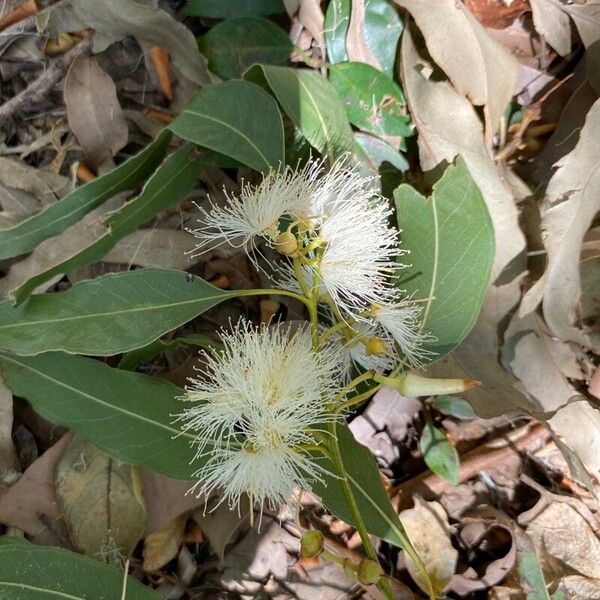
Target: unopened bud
(311, 544)
(375, 347)
(286, 243)
(414, 385)
(306, 225)
(369, 572)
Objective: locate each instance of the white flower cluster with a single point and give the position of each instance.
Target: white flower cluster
(263, 399)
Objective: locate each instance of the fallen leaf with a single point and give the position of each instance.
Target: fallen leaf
(476, 64)
(428, 530)
(94, 112)
(497, 15)
(553, 23)
(356, 43)
(101, 501)
(9, 463)
(30, 504)
(163, 545)
(311, 16)
(570, 204)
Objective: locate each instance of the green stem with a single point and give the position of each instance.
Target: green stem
(348, 388)
(300, 277)
(273, 292)
(358, 399)
(357, 519)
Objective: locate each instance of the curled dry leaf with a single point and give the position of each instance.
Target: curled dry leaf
(101, 501)
(428, 529)
(94, 112)
(571, 202)
(476, 64)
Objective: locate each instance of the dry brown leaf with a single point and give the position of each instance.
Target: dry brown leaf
(497, 15)
(356, 42)
(311, 16)
(100, 499)
(22, 11)
(476, 64)
(163, 545)
(9, 463)
(162, 63)
(94, 112)
(30, 504)
(428, 529)
(571, 202)
(553, 23)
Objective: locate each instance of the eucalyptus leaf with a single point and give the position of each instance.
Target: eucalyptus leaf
(54, 219)
(169, 185)
(373, 100)
(236, 44)
(127, 415)
(107, 315)
(439, 454)
(530, 572)
(226, 9)
(237, 119)
(450, 238)
(311, 103)
(383, 27)
(38, 572)
(455, 407)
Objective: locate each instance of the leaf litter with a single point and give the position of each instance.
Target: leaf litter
(85, 83)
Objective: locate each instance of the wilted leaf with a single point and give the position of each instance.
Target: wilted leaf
(236, 44)
(64, 574)
(356, 43)
(162, 545)
(311, 103)
(107, 315)
(553, 23)
(428, 529)
(374, 102)
(44, 185)
(94, 112)
(476, 64)
(439, 454)
(238, 119)
(100, 499)
(117, 19)
(571, 202)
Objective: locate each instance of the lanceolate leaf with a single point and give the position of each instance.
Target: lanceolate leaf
(40, 572)
(311, 103)
(439, 454)
(451, 242)
(168, 186)
(238, 119)
(51, 221)
(107, 315)
(127, 415)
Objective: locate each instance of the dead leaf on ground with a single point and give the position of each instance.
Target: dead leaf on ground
(94, 112)
(9, 463)
(101, 501)
(163, 545)
(356, 42)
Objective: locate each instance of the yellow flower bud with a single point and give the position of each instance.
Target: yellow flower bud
(311, 544)
(286, 243)
(369, 571)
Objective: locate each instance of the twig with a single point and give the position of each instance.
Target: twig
(38, 89)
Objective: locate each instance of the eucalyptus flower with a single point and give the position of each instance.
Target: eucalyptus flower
(258, 405)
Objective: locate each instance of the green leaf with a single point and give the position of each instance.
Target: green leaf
(376, 152)
(383, 27)
(127, 415)
(238, 119)
(458, 408)
(29, 572)
(236, 44)
(439, 454)
(107, 315)
(374, 102)
(450, 238)
(169, 185)
(372, 499)
(530, 572)
(54, 219)
(133, 359)
(225, 9)
(312, 104)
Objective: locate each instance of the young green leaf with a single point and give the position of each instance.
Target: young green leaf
(227, 9)
(454, 407)
(450, 238)
(127, 415)
(236, 44)
(169, 185)
(439, 454)
(311, 103)
(40, 572)
(374, 102)
(59, 215)
(383, 27)
(107, 315)
(530, 572)
(235, 118)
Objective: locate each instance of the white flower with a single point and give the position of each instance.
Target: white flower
(264, 396)
(403, 323)
(257, 212)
